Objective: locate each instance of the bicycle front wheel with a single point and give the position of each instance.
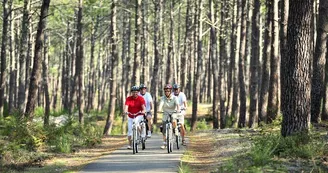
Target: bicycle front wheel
(134, 139)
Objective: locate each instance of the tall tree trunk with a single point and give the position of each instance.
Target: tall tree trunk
(241, 76)
(3, 74)
(232, 57)
(157, 54)
(22, 57)
(12, 70)
(296, 81)
(255, 55)
(126, 60)
(198, 71)
(91, 85)
(46, 81)
(186, 46)
(223, 55)
(319, 62)
(136, 65)
(215, 66)
(170, 54)
(272, 109)
(263, 100)
(113, 82)
(35, 76)
(324, 115)
(235, 95)
(80, 64)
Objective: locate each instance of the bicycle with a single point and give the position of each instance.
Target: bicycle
(169, 132)
(138, 136)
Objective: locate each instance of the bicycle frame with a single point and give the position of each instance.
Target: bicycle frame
(138, 137)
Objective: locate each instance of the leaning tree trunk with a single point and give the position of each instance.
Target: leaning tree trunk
(319, 62)
(35, 76)
(114, 64)
(241, 76)
(296, 81)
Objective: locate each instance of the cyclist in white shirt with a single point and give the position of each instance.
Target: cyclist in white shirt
(169, 103)
(183, 107)
(149, 106)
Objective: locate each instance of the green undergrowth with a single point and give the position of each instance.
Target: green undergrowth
(23, 143)
(270, 152)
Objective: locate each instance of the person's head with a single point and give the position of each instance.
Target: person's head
(143, 89)
(176, 89)
(168, 90)
(134, 91)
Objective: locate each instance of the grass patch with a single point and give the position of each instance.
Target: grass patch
(184, 168)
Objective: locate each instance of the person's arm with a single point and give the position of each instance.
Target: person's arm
(150, 102)
(161, 103)
(185, 101)
(177, 104)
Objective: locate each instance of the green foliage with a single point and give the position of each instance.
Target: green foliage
(203, 125)
(39, 112)
(184, 168)
(261, 157)
(72, 134)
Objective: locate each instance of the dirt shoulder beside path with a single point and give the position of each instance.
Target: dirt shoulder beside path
(75, 161)
(211, 150)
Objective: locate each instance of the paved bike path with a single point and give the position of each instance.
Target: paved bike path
(152, 159)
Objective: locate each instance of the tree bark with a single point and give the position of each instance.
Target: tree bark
(80, 64)
(136, 64)
(215, 66)
(3, 73)
(157, 54)
(296, 81)
(263, 100)
(319, 61)
(113, 82)
(46, 81)
(255, 55)
(241, 77)
(272, 109)
(35, 76)
(199, 71)
(22, 57)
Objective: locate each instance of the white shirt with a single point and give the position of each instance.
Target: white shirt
(182, 98)
(148, 100)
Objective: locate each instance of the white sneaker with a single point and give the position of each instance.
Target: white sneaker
(163, 146)
(129, 147)
(149, 134)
